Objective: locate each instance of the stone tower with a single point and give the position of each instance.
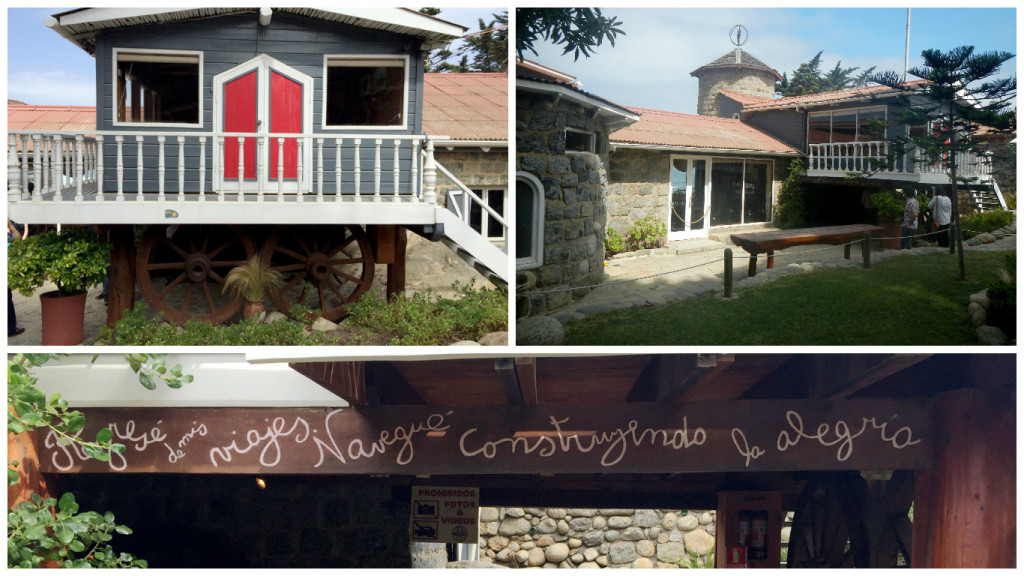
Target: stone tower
(737, 71)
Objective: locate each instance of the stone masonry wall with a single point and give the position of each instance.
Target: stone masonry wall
(574, 189)
(593, 538)
(639, 188)
(473, 167)
(746, 81)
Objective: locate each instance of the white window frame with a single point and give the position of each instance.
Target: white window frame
(332, 58)
(536, 259)
(484, 193)
(591, 141)
(154, 52)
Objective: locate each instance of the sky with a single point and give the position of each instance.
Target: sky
(44, 68)
(649, 67)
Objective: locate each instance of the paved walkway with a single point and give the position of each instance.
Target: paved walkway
(697, 267)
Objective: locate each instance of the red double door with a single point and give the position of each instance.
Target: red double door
(262, 100)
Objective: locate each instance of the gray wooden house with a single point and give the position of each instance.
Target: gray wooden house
(293, 133)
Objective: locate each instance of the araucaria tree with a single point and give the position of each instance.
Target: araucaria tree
(956, 99)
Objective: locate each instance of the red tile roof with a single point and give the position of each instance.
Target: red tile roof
(466, 106)
(33, 117)
(745, 99)
(661, 128)
(826, 97)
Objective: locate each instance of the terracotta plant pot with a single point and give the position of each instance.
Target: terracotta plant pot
(252, 310)
(63, 318)
(891, 234)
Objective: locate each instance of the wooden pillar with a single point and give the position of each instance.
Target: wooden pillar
(396, 269)
(121, 284)
(965, 506)
(22, 448)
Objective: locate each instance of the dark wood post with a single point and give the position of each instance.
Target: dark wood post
(121, 285)
(396, 269)
(965, 506)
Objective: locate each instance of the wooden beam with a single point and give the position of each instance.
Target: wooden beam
(670, 376)
(346, 380)
(965, 506)
(526, 372)
(577, 438)
(842, 376)
(387, 386)
(121, 274)
(506, 370)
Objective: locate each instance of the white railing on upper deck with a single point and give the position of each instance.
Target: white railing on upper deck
(58, 163)
(845, 157)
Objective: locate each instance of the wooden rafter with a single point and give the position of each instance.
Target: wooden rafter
(344, 379)
(506, 370)
(526, 372)
(851, 374)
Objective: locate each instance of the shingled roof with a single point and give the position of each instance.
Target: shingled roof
(824, 97)
(658, 128)
(467, 107)
(730, 60)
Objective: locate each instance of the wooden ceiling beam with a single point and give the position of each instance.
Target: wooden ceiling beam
(506, 370)
(669, 377)
(834, 380)
(346, 380)
(526, 372)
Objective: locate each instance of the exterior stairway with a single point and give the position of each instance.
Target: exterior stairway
(471, 246)
(987, 197)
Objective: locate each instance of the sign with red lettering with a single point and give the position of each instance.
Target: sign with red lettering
(445, 514)
(736, 557)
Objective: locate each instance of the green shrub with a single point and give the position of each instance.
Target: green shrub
(614, 243)
(1011, 200)
(985, 222)
(74, 261)
(792, 210)
(889, 204)
(646, 233)
(423, 319)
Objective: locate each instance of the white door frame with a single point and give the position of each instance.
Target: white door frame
(689, 217)
(264, 64)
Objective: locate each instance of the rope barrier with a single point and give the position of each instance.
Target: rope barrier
(710, 262)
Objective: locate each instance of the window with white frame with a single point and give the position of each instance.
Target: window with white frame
(157, 87)
(579, 140)
(365, 91)
(529, 221)
(488, 226)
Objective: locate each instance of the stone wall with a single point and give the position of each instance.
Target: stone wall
(474, 167)
(639, 188)
(743, 80)
(594, 538)
(574, 190)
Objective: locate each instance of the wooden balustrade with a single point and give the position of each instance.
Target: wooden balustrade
(174, 167)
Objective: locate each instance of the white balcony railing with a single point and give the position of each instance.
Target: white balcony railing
(839, 158)
(152, 166)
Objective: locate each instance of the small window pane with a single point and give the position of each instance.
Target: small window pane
(579, 141)
(150, 90)
(871, 125)
(368, 94)
(525, 215)
(844, 127)
(819, 128)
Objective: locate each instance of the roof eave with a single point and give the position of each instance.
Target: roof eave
(615, 117)
(669, 148)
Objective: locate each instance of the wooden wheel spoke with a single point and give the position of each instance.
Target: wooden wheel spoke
(330, 236)
(337, 291)
(209, 296)
(188, 297)
(166, 266)
(228, 243)
(290, 267)
(174, 247)
(355, 280)
(170, 286)
(215, 277)
(343, 261)
(287, 252)
(342, 246)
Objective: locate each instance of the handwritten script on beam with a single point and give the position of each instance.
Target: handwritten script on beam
(755, 435)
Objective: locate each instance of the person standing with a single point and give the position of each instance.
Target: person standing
(13, 233)
(942, 212)
(909, 226)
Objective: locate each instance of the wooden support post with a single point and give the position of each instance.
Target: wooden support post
(752, 269)
(771, 259)
(121, 278)
(865, 248)
(965, 506)
(728, 272)
(396, 269)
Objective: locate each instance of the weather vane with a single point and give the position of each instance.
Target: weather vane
(738, 34)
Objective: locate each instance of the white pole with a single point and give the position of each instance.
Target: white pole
(906, 52)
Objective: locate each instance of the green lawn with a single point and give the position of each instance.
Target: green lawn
(902, 300)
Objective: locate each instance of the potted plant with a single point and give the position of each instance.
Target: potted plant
(74, 260)
(889, 204)
(251, 281)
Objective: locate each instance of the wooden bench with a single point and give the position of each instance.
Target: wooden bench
(772, 240)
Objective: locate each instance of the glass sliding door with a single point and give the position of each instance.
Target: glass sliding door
(688, 198)
(727, 192)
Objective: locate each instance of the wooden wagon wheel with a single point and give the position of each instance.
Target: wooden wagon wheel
(325, 267)
(839, 524)
(182, 273)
